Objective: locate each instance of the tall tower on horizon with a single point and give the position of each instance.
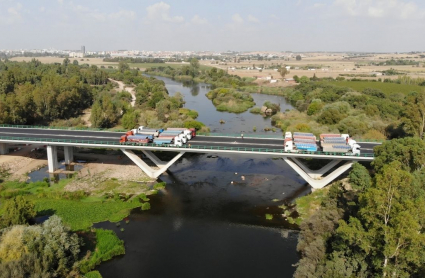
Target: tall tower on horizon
(83, 49)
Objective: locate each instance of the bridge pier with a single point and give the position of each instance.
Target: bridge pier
(69, 154)
(314, 177)
(52, 158)
(4, 148)
(152, 173)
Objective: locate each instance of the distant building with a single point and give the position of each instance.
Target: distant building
(83, 50)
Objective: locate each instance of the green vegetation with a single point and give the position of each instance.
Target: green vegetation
(93, 274)
(230, 100)
(47, 250)
(255, 110)
(36, 93)
(108, 245)
(386, 87)
(374, 229)
(16, 211)
(269, 216)
(80, 214)
(392, 111)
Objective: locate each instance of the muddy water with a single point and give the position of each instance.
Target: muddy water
(210, 221)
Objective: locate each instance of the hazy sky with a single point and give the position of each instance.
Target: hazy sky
(296, 25)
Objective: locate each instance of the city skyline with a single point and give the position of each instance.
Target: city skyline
(300, 26)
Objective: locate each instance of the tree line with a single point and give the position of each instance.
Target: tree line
(36, 93)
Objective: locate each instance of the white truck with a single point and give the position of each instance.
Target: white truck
(339, 143)
(144, 130)
(300, 142)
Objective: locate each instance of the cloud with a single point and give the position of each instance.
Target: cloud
(273, 16)
(198, 20)
(380, 8)
(237, 18)
(318, 5)
(253, 19)
(161, 11)
(13, 15)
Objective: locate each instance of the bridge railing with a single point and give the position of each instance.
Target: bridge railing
(63, 128)
(188, 146)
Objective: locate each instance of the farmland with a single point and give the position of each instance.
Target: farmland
(387, 88)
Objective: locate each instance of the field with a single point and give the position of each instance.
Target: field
(331, 65)
(387, 88)
(100, 62)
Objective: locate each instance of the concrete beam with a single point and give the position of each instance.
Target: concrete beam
(69, 155)
(52, 158)
(319, 183)
(315, 174)
(152, 173)
(4, 148)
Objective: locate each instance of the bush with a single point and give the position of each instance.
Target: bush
(17, 211)
(255, 110)
(193, 124)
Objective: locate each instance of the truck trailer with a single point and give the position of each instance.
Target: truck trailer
(339, 143)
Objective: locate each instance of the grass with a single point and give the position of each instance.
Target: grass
(269, 216)
(107, 246)
(93, 274)
(387, 88)
(81, 215)
(309, 204)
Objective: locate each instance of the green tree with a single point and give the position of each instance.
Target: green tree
(388, 228)
(414, 114)
(130, 119)
(283, 71)
(304, 79)
(17, 211)
(359, 177)
(298, 58)
(122, 67)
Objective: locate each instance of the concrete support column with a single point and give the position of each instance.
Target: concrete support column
(152, 173)
(319, 183)
(69, 154)
(52, 158)
(4, 149)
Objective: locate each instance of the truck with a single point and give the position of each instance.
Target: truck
(135, 139)
(339, 143)
(191, 132)
(300, 142)
(168, 140)
(173, 133)
(145, 130)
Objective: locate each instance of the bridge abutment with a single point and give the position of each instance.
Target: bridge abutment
(315, 177)
(152, 173)
(52, 158)
(4, 149)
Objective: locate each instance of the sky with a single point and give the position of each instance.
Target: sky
(214, 25)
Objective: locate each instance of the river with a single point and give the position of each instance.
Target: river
(194, 95)
(210, 220)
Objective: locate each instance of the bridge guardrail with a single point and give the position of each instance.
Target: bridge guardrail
(241, 149)
(63, 128)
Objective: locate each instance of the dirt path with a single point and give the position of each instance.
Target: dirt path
(123, 87)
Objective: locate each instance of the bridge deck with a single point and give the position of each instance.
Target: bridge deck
(200, 144)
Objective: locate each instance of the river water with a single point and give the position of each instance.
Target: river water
(210, 220)
(194, 95)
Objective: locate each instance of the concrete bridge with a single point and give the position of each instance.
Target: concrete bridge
(68, 139)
